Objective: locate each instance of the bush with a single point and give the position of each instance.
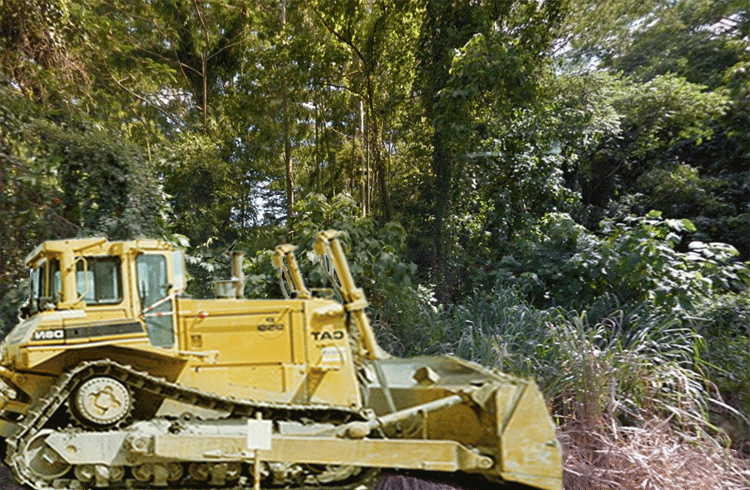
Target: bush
(628, 387)
(623, 368)
(640, 259)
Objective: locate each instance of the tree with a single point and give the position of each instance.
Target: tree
(378, 38)
(35, 50)
(679, 143)
(472, 54)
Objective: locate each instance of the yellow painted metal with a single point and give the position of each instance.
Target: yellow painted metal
(286, 263)
(530, 452)
(274, 350)
(377, 453)
(328, 245)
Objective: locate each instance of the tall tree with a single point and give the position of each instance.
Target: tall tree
(378, 37)
(469, 51)
(287, 132)
(36, 54)
(174, 74)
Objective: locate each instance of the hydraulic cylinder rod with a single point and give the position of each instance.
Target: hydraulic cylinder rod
(286, 262)
(327, 244)
(362, 429)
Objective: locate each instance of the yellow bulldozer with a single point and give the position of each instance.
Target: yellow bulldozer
(113, 378)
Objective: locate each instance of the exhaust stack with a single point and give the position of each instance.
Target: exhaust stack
(235, 287)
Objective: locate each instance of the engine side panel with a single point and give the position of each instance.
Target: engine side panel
(293, 351)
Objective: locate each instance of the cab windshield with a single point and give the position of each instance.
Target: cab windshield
(45, 285)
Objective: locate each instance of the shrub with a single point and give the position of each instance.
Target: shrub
(639, 259)
(725, 326)
(622, 368)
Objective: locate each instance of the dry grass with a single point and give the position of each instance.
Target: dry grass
(654, 457)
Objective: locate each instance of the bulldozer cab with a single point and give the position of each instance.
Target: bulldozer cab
(105, 281)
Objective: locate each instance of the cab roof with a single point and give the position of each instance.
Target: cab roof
(96, 245)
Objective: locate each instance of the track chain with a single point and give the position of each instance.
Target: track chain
(40, 413)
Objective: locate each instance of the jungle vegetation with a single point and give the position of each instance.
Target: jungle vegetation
(559, 189)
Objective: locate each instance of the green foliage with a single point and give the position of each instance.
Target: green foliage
(626, 368)
(203, 190)
(28, 187)
(679, 191)
(615, 129)
(474, 55)
(166, 62)
(724, 325)
(35, 52)
(666, 110)
(375, 253)
(496, 328)
(106, 186)
(646, 262)
(378, 39)
(680, 98)
(694, 38)
(636, 260)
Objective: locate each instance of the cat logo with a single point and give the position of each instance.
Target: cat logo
(335, 335)
(57, 334)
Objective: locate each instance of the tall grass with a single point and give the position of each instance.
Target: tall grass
(612, 379)
(592, 367)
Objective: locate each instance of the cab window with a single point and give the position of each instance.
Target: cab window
(55, 280)
(45, 285)
(178, 266)
(153, 289)
(98, 280)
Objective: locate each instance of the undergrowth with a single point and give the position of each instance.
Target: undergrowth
(629, 386)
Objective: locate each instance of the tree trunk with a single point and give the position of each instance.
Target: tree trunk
(287, 131)
(363, 169)
(442, 181)
(376, 142)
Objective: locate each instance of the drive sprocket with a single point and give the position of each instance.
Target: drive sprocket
(101, 402)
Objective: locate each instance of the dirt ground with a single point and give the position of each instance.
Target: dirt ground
(6, 480)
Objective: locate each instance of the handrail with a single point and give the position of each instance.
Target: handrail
(72, 268)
